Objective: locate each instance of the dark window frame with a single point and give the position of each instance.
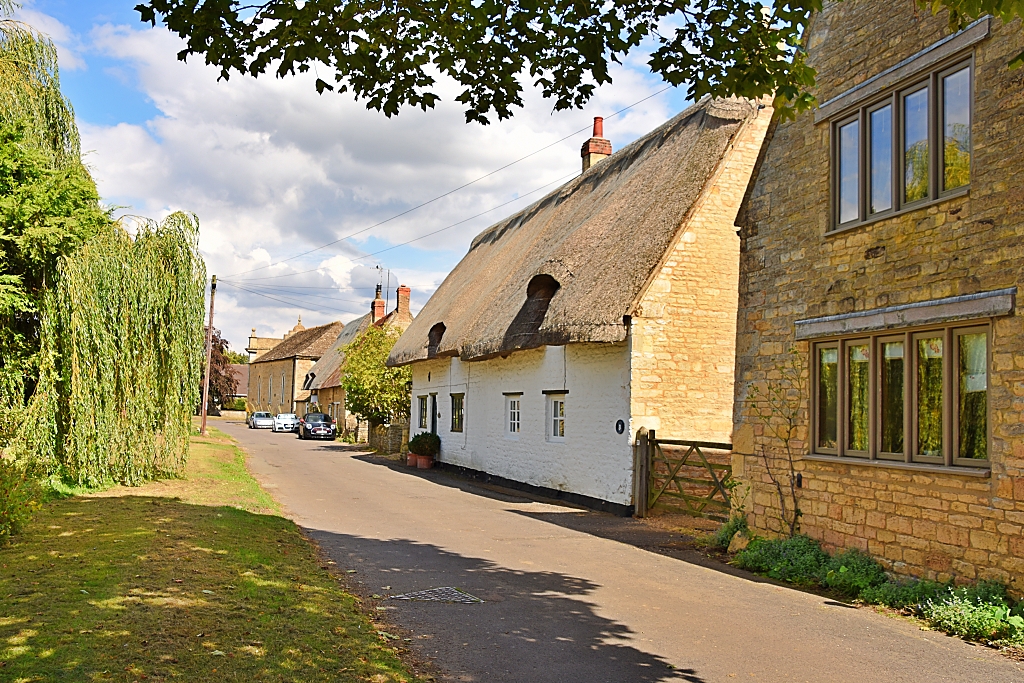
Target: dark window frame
(424, 409)
(933, 80)
(950, 334)
(458, 412)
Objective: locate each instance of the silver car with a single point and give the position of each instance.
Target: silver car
(261, 421)
(286, 422)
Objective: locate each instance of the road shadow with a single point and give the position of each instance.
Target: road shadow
(626, 530)
(532, 626)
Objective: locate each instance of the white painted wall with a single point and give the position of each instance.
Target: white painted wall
(592, 460)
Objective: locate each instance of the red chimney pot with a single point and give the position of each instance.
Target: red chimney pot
(598, 127)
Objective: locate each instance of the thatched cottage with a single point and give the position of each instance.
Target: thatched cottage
(608, 305)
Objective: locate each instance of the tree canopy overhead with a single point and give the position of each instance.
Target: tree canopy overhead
(390, 53)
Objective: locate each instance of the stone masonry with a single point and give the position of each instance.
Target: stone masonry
(936, 524)
(683, 335)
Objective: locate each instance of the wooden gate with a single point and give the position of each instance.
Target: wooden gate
(693, 477)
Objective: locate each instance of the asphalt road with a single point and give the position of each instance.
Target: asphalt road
(575, 596)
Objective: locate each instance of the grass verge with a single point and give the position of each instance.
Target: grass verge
(190, 581)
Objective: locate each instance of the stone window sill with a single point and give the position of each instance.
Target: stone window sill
(978, 472)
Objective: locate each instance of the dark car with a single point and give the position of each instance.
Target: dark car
(317, 426)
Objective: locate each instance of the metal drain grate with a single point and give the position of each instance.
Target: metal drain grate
(442, 594)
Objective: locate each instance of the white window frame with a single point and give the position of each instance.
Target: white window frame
(513, 415)
(554, 399)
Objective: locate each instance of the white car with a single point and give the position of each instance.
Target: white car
(261, 421)
(286, 422)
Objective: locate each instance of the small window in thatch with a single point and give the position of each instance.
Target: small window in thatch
(523, 331)
(434, 339)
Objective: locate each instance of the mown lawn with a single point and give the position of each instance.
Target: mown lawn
(142, 587)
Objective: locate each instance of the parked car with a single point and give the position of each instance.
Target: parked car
(286, 422)
(317, 426)
(261, 420)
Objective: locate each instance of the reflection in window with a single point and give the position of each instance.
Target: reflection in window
(558, 417)
(929, 396)
(828, 394)
(973, 394)
(857, 429)
(915, 145)
(891, 407)
(458, 408)
(956, 129)
(423, 412)
(849, 172)
(881, 159)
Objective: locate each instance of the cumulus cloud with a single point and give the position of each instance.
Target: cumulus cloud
(272, 170)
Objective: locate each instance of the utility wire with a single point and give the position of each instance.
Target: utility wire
(450, 192)
(285, 301)
(255, 280)
(283, 291)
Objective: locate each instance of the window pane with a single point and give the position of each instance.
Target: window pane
(915, 145)
(929, 396)
(892, 397)
(857, 432)
(828, 394)
(849, 172)
(973, 378)
(956, 133)
(881, 159)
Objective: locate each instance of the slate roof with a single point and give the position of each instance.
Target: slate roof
(311, 342)
(600, 236)
(326, 373)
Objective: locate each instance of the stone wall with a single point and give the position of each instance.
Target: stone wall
(684, 331)
(939, 524)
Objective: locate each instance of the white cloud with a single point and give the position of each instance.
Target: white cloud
(272, 169)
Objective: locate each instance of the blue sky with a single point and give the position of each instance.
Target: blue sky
(273, 170)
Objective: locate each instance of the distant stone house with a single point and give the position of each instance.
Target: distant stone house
(882, 244)
(323, 380)
(606, 306)
(276, 376)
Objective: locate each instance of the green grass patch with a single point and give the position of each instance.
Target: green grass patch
(126, 588)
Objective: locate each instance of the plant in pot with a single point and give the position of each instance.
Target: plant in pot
(425, 446)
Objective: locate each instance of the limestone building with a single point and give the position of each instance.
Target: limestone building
(323, 380)
(606, 306)
(881, 254)
(276, 375)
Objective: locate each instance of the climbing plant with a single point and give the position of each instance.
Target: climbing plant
(121, 357)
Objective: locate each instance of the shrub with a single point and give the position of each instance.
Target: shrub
(798, 559)
(972, 619)
(723, 536)
(901, 594)
(19, 498)
(425, 443)
(852, 571)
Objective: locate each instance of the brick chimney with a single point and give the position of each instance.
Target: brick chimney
(402, 308)
(597, 147)
(377, 307)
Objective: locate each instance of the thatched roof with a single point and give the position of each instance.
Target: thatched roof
(326, 372)
(307, 343)
(600, 237)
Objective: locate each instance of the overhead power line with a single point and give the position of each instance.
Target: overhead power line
(255, 280)
(450, 192)
(296, 304)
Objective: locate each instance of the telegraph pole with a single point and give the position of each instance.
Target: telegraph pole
(209, 355)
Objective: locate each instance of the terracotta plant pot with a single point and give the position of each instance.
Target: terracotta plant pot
(410, 460)
(424, 462)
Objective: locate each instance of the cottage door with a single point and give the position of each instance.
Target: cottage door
(433, 413)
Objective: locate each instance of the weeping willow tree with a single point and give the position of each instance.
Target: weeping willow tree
(30, 87)
(121, 357)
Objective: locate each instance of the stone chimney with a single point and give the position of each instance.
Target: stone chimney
(597, 147)
(377, 307)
